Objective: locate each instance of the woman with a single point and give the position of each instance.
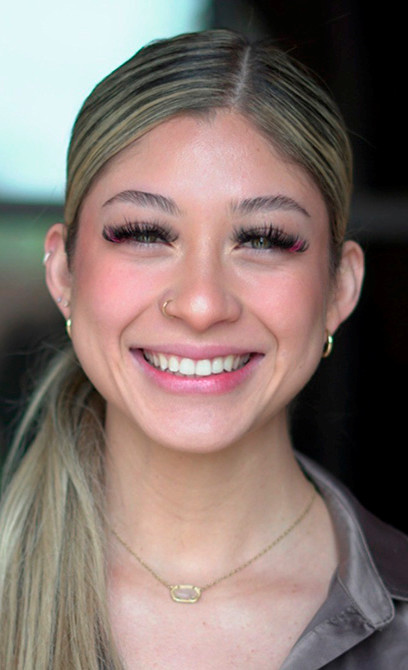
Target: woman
(159, 517)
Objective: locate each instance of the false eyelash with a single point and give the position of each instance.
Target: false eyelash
(276, 237)
(132, 231)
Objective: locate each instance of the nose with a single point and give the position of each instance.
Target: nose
(202, 297)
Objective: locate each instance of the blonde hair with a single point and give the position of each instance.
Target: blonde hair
(52, 572)
(52, 562)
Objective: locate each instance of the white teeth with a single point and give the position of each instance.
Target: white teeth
(163, 362)
(173, 364)
(228, 361)
(201, 368)
(217, 366)
(187, 367)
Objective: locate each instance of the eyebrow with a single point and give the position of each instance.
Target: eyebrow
(264, 203)
(268, 203)
(144, 199)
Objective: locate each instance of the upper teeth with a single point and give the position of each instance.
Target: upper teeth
(201, 368)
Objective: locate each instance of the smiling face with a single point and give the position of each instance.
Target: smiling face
(203, 215)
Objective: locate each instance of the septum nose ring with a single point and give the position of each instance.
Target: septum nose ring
(164, 309)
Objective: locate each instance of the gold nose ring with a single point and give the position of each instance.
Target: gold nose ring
(164, 309)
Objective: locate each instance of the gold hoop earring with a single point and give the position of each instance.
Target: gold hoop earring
(68, 325)
(164, 309)
(328, 345)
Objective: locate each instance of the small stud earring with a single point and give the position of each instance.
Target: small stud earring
(59, 300)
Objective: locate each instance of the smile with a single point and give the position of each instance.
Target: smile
(189, 367)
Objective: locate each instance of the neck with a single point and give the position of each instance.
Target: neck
(203, 510)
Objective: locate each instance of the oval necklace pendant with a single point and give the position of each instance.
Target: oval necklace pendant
(185, 593)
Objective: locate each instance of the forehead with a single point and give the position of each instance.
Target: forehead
(217, 158)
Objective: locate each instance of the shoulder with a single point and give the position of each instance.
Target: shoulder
(364, 622)
(386, 546)
(389, 549)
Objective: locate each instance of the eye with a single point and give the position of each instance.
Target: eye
(260, 242)
(142, 233)
(269, 238)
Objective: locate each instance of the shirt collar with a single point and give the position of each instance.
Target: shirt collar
(358, 601)
(357, 570)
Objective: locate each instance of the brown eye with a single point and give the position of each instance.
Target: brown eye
(260, 242)
(147, 238)
(269, 238)
(139, 233)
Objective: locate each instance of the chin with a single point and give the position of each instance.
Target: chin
(205, 442)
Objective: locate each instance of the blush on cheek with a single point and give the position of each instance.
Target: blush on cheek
(111, 293)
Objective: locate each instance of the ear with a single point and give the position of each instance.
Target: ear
(347, 286)
(57, 274)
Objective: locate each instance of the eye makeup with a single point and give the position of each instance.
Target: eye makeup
(269, 238)
(139, 232)
(260, 238)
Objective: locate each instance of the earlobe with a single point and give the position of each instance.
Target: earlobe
(57, 274)
(348, 285)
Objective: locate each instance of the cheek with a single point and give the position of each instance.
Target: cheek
(291, 302)
(108, 293)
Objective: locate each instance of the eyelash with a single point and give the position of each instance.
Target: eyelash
(273, 237)
(134, 231)
(270, 237)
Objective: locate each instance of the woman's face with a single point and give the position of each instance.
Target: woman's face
(204, 214)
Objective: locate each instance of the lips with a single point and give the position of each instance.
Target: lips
(189, 367)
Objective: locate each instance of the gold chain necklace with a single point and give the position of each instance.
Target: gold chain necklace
(187, 593)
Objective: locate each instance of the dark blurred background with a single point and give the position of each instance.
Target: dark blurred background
(351, 418)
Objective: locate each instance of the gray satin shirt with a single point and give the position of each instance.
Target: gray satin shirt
(363, 624)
